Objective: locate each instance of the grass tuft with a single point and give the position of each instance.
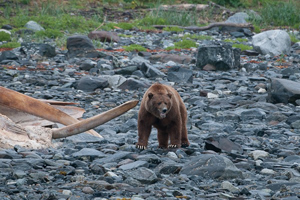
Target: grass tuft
(242, 47)
(11, 45)
(4, 36)
(134, 47)
(184, 44)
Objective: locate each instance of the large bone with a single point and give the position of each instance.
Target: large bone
(93, 122)
(21, 102)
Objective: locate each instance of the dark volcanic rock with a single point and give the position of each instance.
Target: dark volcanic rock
(8, 55)
(211, 166)
(91, 83)
(180, 75)
(222, 56)
(82, 46)
(283, 91)
(47, 50)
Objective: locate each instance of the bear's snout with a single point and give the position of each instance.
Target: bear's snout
(164, 110)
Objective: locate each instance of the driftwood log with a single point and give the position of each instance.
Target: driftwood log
(203, 28)
(12, 134)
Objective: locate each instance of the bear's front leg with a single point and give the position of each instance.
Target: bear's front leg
(144, 130)
(163, 139)
(174, 132)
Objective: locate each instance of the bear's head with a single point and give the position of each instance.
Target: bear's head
(159, 104)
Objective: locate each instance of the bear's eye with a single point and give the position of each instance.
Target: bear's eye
(159, 103)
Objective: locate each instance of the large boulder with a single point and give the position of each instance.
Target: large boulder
(91, 83)
(273, 42)
(82, 46)
(283, 91)
(180, 75)
(221, 56)
(238, 18)
(211, 166)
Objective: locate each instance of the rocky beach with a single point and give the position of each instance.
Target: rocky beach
(243, 117)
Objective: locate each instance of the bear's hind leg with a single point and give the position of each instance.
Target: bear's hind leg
(163, 139)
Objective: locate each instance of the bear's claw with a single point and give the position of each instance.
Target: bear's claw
(141, 147)
(184, 145)
(173, 146)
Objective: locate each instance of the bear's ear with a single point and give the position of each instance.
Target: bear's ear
(150, 95)
(170, 95)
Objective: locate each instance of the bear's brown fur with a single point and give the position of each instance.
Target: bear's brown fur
(163, 108)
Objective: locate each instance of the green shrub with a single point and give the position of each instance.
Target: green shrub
(4, 36)
(134, 47)
(125, 26)
(151, 20)
(279, 14)
(50, 33)
(184, 44)
(11, 45)
(173, 29)
(242, 47)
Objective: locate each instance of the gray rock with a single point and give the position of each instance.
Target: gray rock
(223, 57)
(253, 113)
(168, 167)
(133, 84)
(82, 46)
(283, 91)
(114, 81)
(88, 152)
(134, 165)
(47, 50)
(273, 42)
(180, 75)
(238, 18)
(91, 83)
(126, 70)
(150, 71)
(211, 166)
(144, 175)
(32, 25)
(8, 55)
(87, 65)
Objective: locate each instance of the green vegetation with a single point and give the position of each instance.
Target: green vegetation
(126, 36)
(242, 47)
(279, 13)
(134, 47)
(50, 33)
(10, 45)
(184, 44)
(4, 36)
(294, 38)
(173, 29)
(236, 40)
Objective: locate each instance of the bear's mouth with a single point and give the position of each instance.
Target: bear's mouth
(162, 115)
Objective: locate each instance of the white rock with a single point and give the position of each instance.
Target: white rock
(212, 95)
(34, 26)
(5, 31)
(262, 91)
(273, 42)
(267, 171)
(172, 155)
(259, 154)
(228, 186)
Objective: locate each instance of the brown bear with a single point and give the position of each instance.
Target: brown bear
(163, 108)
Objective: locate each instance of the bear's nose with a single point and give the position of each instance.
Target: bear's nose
(164, 110)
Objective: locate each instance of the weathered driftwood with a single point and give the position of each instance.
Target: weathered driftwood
(24, 103)
(203, 28)
(37, 137)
